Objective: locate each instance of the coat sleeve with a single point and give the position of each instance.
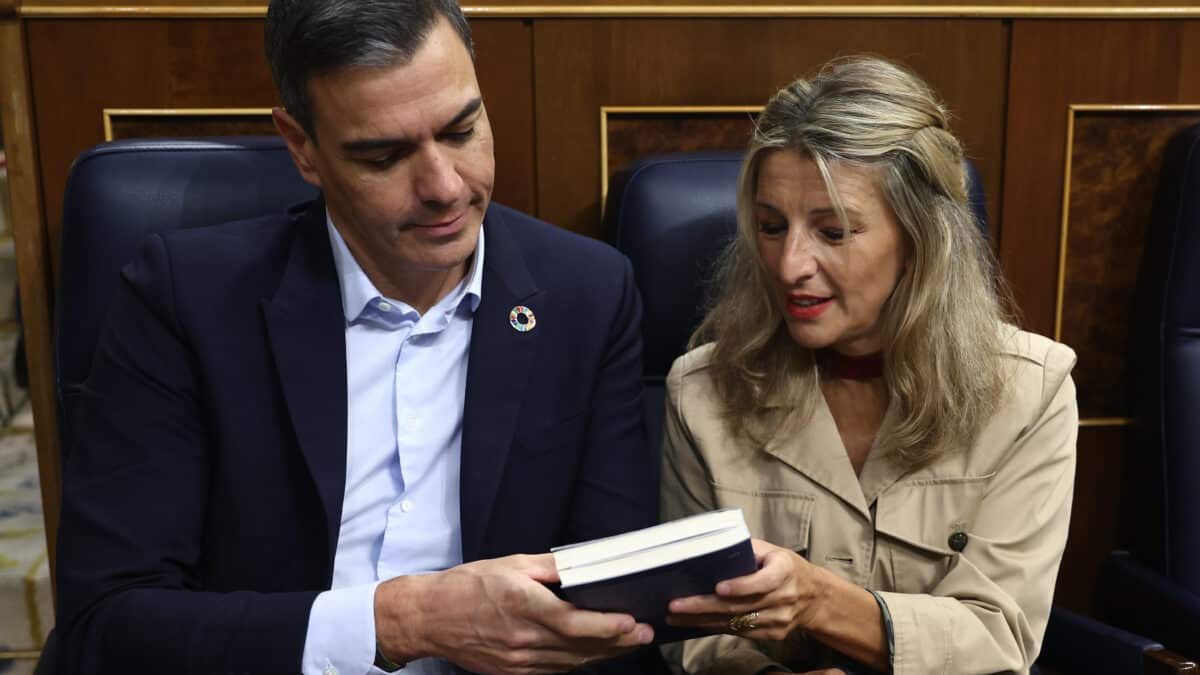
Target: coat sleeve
(686, 489)
(989, 612)
(135, 490)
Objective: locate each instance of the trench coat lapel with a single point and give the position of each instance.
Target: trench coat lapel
(813, 446)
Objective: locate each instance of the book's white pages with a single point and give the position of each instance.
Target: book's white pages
(648, 548)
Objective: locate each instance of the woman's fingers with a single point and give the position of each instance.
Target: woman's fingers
(713, 604)
(751, 623)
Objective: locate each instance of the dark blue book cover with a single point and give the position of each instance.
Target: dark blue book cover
(646, 594)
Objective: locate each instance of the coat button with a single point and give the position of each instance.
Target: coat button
(958, 541)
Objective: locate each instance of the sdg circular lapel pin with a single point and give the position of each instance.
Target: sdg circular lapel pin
(521, 318)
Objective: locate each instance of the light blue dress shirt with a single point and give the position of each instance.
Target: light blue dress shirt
(406, 383)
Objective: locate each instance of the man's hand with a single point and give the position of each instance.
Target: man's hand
(496, 616)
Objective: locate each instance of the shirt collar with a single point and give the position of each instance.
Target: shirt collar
(357, 289)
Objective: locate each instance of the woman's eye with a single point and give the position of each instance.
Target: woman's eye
(771, 228)
(835, 234)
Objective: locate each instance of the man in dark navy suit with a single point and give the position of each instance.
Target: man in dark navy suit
(319, 442)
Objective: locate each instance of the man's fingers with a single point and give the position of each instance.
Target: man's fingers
(538, 567)
(578, 624)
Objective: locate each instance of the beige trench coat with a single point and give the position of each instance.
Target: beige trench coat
(979, 610)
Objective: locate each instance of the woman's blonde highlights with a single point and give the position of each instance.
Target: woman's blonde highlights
(942, 324)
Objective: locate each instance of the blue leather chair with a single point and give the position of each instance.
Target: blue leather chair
(120, 192)
(1154, 588)
(672, 215)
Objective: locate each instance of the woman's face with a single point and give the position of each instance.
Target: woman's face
(831, 282)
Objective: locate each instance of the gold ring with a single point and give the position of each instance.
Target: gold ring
(741, 622)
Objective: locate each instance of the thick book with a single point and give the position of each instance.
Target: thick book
(640, 572)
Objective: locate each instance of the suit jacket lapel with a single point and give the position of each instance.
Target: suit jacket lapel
(306, 327)
(500, 360)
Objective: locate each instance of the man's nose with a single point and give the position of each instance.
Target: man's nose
(436, 179)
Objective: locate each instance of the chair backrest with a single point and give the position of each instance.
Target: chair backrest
(672, 215)
(1165, 357)
(120, 192)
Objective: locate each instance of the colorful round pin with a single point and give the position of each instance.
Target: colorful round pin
(521, 318)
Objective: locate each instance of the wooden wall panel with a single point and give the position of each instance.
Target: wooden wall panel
(1098, 522)
(583, 65)
(610, 8)
(82, 66)
(1056, 64)
(1116, 155)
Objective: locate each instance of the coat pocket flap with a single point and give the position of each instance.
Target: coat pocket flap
(932, 515)
(780, 517)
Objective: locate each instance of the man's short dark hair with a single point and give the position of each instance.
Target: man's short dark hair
(306, 38)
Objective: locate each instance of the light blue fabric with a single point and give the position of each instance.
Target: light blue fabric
(406, 384)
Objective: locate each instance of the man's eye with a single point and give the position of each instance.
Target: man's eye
(772, 228)
(381, 162)
(460, 136)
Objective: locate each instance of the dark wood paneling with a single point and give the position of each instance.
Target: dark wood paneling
(608, 8)
(633, 135)
(1099, 521)
(1115, 161)
(1055, 64)
(174, 126)
(81, 66)
(504, 56)
(583, 65)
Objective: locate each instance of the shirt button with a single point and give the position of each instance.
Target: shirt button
(385, 306)
(957, 541)
(406, 506)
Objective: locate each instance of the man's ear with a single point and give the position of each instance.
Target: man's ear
(300, 146)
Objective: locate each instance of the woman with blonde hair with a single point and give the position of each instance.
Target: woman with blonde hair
(904, 456)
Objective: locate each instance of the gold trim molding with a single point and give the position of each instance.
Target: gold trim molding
(588, 11)
(112, 113)
(1106, 422)
(664, 110)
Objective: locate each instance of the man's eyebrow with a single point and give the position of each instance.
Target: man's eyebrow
(369, 144)
(469, 109)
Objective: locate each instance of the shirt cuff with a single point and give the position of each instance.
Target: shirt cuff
(341, 633)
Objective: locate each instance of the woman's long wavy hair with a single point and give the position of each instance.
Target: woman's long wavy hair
(942, 324)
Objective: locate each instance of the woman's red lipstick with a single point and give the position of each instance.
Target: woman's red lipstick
(807, 306)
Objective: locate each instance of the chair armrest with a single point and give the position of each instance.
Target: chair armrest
(1140, 599)
(1078, 644)
(1165, 662)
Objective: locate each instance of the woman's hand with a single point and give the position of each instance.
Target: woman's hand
(785, 593)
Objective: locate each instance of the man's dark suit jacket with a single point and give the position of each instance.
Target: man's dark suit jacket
(202, 503)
